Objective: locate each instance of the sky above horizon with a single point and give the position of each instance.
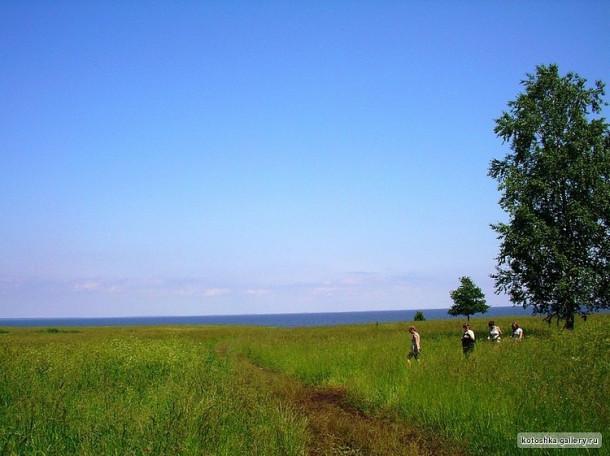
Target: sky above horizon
(202, 158)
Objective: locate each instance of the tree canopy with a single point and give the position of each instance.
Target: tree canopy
(555, 184)
(419, 316)
(468, 299)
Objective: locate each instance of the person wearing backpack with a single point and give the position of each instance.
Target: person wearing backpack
(468, 339)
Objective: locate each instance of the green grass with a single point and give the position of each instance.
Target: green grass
(137, 392)
(179, 390)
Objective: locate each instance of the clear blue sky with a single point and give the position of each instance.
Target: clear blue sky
(195, 157)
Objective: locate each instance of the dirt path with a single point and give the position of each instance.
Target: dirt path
(337, 428)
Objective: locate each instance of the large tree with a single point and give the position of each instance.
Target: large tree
(468, 299)
(555, 183)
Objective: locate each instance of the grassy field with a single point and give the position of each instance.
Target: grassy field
(134, 391)
(252, 391)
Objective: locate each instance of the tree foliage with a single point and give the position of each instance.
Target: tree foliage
(468, 299)
(419, 316)
(555, 184)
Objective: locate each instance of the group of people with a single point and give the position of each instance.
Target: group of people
(495, 333)
(468, 338)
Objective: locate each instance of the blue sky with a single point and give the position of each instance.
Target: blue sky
(194, 158)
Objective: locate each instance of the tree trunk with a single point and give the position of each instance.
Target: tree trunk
(570, 315)
(569, 321)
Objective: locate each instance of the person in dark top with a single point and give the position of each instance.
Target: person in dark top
(468, 339)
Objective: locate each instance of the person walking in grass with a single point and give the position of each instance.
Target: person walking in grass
(494, 332)
(468, 339)
(517, 331)
(415, 345)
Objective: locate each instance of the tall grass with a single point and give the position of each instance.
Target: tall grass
(181, 390)
(119, 392)
(553, 381)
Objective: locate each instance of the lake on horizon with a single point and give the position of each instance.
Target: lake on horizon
(286, 320)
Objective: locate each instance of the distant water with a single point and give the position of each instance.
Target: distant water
(288, 320)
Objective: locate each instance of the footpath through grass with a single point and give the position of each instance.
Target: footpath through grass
(256, 391)
(553, 381)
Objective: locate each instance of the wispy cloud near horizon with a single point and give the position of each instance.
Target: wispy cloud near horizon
(351, 291)
(148, 287)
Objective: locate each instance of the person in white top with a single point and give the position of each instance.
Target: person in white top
(494, 332)
(517, 331)
(468, 339)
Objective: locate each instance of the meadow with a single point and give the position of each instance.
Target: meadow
(277, 391)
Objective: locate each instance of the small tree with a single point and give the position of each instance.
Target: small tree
(468, 299)
(419, 316)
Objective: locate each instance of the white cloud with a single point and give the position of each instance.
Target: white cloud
(210, 292)
(89, 285)
(184, 291)
(257, 292)
(149, 287)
